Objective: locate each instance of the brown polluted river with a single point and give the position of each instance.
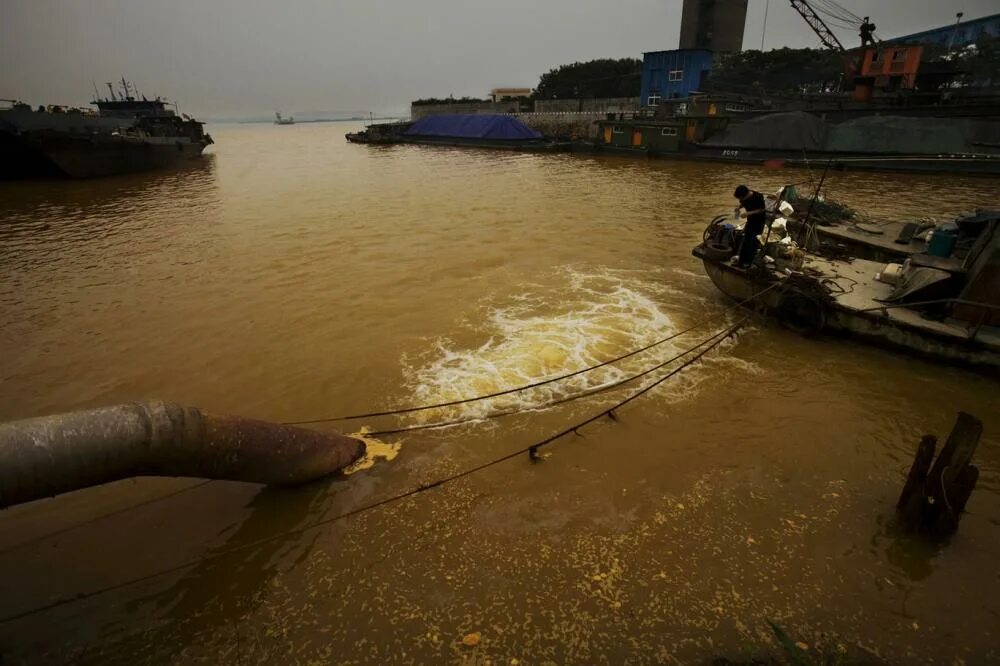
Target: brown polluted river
(291, 276)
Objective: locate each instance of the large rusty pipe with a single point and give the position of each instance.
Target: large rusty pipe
(45, 456)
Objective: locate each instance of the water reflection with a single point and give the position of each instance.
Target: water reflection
(73, 226)
(910, 556)
(83, 208)
(294, 274)
(233, 576)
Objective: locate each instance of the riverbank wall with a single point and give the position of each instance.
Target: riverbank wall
(576, 125)
(575, 118)
(596, 105)
(418, 111)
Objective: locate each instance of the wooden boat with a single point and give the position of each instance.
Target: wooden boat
(945, 309)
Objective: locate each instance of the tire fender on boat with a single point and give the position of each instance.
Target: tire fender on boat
(802, 312)
(717, 251)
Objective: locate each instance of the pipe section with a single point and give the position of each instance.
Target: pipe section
(49, 455)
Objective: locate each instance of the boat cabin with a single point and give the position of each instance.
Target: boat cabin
(673, 129)
(982, 287)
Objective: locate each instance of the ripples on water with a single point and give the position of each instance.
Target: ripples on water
(290, 276)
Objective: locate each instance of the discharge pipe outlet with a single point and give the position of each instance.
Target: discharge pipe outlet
(45, 456)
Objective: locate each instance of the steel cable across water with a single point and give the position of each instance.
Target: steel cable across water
(426, 407)
(526, 387)
(716, 340)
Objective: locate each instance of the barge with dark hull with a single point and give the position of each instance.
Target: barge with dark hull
(912, 144)
(492, 131)
(125, 134)
(895, 110)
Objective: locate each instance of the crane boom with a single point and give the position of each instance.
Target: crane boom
(824, 33)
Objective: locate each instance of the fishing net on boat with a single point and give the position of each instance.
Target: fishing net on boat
(822, 211)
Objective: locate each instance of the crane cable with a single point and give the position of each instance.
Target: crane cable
(831, 8)
(81, 596)
(840, 15)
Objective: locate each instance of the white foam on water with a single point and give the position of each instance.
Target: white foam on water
(546, 332)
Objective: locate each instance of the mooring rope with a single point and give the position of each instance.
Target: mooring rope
(384, 432)
(526, 387)
(719, 338)
(544, 405)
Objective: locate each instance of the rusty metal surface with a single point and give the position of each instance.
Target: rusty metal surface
(45, 456)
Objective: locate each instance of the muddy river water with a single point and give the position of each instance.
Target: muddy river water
(293, 276)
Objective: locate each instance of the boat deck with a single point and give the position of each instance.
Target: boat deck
(856, 307)
(861, 291)
(882, 236)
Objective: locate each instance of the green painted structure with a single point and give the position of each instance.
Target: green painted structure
(688, 122)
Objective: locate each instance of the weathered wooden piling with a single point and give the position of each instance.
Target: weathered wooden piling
(45, 456)
(934, 497)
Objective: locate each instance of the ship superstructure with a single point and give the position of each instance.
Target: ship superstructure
(127, 132)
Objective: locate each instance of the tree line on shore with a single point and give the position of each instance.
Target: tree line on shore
(778, 70)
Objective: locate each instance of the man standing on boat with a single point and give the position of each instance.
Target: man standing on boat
(753, 203)
(866, 31)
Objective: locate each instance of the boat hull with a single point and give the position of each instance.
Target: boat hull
(82, 156)
(922, 163)
(20, 159)
(873, 327)
(986, 164)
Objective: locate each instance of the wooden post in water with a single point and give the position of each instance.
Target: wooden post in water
(936, 492)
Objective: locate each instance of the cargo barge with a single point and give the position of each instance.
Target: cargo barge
(492, 131)
(126, 133)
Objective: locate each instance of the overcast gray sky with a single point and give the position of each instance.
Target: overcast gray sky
(234, 58)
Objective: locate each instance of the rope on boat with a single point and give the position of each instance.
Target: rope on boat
(532, 449)
(518, 389)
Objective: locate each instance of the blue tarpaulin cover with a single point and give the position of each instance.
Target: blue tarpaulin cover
(474, 126)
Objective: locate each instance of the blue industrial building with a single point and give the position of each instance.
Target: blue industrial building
(671, 74)
(955, 36)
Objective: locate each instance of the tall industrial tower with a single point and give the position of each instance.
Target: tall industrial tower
(716, 25)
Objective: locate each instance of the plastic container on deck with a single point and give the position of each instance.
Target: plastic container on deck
(941, 243)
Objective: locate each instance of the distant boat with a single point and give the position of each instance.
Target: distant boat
(278, 120)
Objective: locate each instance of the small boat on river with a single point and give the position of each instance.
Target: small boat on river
(943, 307)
